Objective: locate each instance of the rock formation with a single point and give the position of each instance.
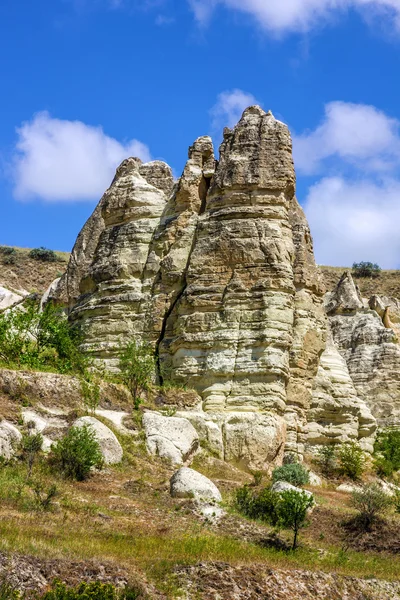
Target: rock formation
(217, 272)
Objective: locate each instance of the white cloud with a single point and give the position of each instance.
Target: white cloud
(353, 221)
(229, 108)
(60, 160)
(297, 15)
(357, 133)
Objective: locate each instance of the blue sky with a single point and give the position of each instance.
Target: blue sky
(86, 83)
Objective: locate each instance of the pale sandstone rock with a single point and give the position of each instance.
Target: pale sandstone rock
(372, 354)
(188, 483)
(110, 447)
(337, 414)
(217, 272)
(8, 298)
(172, 438)
(10, 437)
(283, 486)
(50, 293)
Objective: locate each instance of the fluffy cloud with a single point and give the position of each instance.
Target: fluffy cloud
(229, 108)
(352, 221)
(296, 15)
(59, 160)
(360, 134)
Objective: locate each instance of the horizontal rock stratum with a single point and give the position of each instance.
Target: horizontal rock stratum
(217, 272)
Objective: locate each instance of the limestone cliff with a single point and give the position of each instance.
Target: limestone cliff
(217, 272)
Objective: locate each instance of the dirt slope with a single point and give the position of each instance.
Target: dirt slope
(29, 274)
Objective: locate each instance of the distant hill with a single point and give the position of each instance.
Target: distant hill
(387, 284)
(30, 274)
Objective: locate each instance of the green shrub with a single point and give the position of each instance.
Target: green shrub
(43, 254)
(366, 269)
(327, 460)
(370, 502)
(257, 504)
(387, 452)
(94, 590)
(291, 510)
(137, 366)
(31, 447)
(7, 251)
(293, 473)
(40, 340)
(77, 453)
(351, 460)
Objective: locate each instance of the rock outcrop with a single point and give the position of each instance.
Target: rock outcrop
(188, 483)
(370, 348)
(217, 273)
(172, 438)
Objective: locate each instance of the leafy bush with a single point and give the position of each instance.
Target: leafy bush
(370, 502)
(366, 269)
(327, 460)
(137, 366)
(43, 254)
(293, 473)
(40, 340)
(257, 504)
(291, 510)
(387, 451)
(351, 460)
(77, 453)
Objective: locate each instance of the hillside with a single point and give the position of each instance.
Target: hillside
(25, 273)
(387, 284)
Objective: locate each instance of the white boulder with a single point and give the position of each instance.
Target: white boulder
(188, 483)
(110, 447)
(8, 299)
(284, 486)
(170, 437)
(9, 438)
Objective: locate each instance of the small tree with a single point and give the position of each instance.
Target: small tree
(293, 473)
(77, 453)
(366, 269)
(387, 451)
(291, 510)
(137, 367)
(31, 446)
(370, 502)
(327, 460)
(351, 460)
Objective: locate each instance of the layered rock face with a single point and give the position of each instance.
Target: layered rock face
(367, 340)
(217, 272)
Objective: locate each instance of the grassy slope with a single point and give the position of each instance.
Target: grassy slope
(387, 284)
(31, 275)
(126, 516)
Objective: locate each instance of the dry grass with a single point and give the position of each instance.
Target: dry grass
(387, 284)
(29, 274)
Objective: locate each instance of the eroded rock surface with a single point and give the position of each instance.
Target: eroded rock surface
(217, 272)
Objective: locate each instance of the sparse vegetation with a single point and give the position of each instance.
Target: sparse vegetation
(43, 254)
(370, 502)
(137, 367)
(366, 269)
(94, 590)
(77, 453)
(351, 460)
(293, 473)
